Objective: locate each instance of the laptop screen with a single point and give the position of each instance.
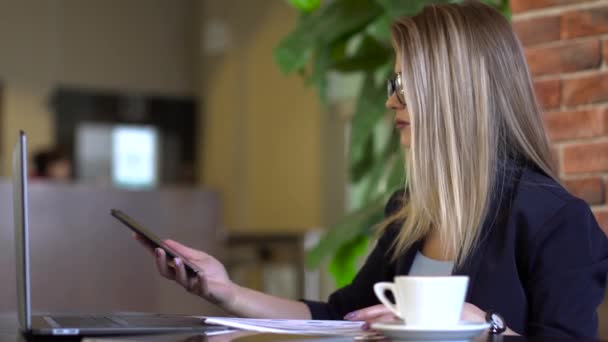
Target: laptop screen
(22, 268)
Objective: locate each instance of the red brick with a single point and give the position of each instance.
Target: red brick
(548, 93)
(605, 51)
(576, 124)
(586, 157)
(566, 57)
(518, 6)
(589, 189)
(538, 30)
(585, 22)
(585, 89)
(602, 219)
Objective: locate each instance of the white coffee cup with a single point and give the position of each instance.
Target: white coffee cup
(425, 301)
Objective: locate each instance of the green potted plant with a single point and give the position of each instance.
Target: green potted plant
(346, 37)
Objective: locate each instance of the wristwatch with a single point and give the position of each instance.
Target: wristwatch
(497, 323)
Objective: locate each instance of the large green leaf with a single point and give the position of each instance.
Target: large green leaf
(344, 17)
(319, 76)
(320, 28)
(293, 54)
(398, 8)
(372, 179)
(376, 153)
(343, 266)
(347, 229)
(380, 28)
(360, 165)
(396, 177)
(369, 110)
(370, 55)
(377, 178)
(305, 6)
(323, 61)
(505, 8)
(337, 50)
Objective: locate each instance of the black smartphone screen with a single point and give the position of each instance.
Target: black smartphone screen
(152, 239)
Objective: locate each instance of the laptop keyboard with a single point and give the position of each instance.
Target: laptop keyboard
(85, 321)
(161, 321)
(135, 321)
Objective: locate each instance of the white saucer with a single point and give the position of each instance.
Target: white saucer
(464, 331)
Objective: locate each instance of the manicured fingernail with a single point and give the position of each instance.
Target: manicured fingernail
(178, 261)
(365, 327)
(351, 315)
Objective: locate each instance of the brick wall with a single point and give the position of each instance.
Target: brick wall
(566, 44)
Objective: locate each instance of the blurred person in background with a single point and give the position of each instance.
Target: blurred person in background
(482, 197)
(52, 165)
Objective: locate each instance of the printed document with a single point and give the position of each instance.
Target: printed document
(290, 326)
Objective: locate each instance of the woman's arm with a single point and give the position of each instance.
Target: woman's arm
(255, 304)
(213, 284)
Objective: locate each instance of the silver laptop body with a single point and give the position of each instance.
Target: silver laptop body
(64, 324)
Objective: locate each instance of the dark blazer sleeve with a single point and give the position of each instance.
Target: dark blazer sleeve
(568, 266)
(378, 267)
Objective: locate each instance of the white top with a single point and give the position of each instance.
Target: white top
(424, 266)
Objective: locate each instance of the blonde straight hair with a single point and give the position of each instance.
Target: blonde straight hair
(472, 106)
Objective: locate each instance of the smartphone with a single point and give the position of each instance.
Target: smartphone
(153, 240)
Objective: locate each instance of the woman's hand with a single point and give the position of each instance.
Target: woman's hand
(380, 313)
(372, 314)
(472, 313)
(211, 282)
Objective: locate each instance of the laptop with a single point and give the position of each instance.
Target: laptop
(80, 324)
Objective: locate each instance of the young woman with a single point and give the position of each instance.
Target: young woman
(482, 197)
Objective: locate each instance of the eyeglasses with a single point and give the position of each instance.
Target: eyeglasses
(394, 86)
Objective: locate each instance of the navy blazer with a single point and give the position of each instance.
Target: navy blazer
(541, 261)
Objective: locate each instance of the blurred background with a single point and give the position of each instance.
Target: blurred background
(175, 112)
(179, 113)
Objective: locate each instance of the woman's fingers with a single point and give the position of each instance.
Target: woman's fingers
(376, 313)
(197, 285)
(184, 250)
(193, 285)
(382, 318)
(177, 272)
(369, 314)
(162, 266)
(180, 273)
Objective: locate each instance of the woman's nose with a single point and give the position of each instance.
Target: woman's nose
(393, 103)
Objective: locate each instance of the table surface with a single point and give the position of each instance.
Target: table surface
(9, 331)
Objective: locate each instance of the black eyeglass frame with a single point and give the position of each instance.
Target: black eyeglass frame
(394, 85)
